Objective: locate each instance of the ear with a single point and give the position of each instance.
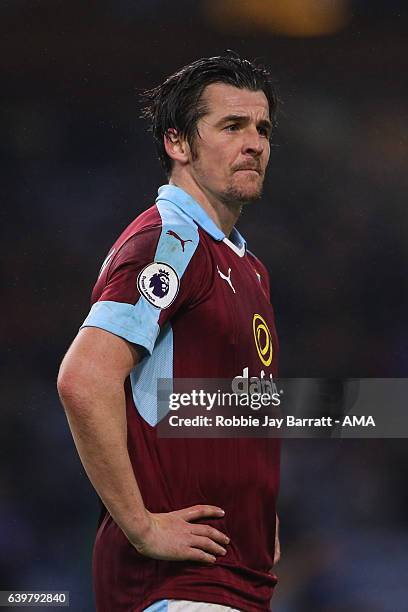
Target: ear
(176, 146)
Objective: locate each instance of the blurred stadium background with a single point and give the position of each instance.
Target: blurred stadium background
(78, 165)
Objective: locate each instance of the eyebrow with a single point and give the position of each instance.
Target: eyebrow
(242, 118)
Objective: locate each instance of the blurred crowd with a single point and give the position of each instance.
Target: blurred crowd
(78, 165)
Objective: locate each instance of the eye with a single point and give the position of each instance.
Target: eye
(232, 127)
(263, 131)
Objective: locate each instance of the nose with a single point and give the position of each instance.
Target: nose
(253, 143)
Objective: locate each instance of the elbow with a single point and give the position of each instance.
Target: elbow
(70, 385)
(65, 385)
(78, 385)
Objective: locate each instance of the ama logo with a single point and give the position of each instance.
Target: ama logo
(159, 284)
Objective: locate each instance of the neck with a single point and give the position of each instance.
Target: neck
(224, 215)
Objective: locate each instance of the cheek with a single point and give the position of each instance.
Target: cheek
(266, 154)
(215, 162)
(218, 163)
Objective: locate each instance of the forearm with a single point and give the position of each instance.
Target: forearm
(91, 388)
(97, 418)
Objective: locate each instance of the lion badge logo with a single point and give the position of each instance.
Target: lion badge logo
(159, 284)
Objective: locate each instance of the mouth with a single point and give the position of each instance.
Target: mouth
(248, 170)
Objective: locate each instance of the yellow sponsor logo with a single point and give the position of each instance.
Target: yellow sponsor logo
(263, 339)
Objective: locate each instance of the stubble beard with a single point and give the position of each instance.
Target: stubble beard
(235, 196)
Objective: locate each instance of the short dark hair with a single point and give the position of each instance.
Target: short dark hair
(177, 102)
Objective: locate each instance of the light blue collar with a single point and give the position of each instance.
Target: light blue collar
(190, 207)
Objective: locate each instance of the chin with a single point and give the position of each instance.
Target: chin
(242, 195)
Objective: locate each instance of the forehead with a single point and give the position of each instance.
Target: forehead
(222, 99)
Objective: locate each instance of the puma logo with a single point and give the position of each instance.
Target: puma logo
(226, 278)
(177, 237)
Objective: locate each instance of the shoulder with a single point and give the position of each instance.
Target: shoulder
(161, 233)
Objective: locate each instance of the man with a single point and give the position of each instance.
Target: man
(188, 522)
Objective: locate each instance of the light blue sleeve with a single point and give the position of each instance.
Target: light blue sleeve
(137, 324)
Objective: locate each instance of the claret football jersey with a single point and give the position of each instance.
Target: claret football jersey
(198, 304)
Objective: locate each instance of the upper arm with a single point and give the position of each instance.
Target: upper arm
(146, 280)
(96, 355)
